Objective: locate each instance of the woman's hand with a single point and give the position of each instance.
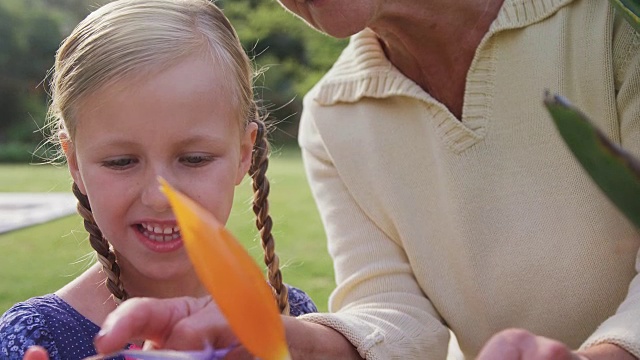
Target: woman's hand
(180, 324)
(518, 344)
(36, 353)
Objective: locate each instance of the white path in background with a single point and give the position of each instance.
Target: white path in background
(18, 210)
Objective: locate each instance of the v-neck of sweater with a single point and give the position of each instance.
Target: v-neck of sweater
(363, 70)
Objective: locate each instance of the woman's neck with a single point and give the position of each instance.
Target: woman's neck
(434, 42)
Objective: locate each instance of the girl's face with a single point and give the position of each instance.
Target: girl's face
(339, 18)
(179, 124)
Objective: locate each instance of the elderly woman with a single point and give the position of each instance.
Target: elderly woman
(458, 207)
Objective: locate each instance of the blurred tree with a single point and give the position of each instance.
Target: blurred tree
(29, 36)
(294, 56)
(31, 30)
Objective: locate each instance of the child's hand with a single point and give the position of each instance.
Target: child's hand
(180, 324)
(36, 353)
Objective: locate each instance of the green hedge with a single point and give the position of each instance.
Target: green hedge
(23, 153)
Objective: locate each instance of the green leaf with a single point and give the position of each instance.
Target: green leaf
(630, 9)
(615, 171)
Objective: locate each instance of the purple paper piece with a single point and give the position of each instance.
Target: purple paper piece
(208, 353)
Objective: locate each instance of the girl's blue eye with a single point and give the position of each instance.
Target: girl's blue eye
(120, 163)
(196, 160)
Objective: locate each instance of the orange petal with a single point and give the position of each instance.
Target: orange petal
(232, 278)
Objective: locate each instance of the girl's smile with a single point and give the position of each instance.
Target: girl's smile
(159, 237)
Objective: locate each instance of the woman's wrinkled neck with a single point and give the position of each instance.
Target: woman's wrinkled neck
(434, 42)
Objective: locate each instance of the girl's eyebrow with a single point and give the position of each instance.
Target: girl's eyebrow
(202, 138)
(116, 142)
(111, 143)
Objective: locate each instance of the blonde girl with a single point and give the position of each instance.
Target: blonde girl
(143, 89)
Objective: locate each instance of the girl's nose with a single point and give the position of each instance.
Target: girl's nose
(152, 197)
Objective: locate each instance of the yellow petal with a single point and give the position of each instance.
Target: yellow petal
(232, 278)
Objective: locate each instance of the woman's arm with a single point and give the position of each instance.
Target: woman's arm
(618, 338)
(378, 304)
(623, 327)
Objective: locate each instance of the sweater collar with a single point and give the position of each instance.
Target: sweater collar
(362, 70)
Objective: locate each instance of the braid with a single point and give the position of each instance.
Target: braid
(259, 164)
(106, 257)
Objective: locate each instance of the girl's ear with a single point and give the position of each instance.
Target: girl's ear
(72, 160)
(246, 150)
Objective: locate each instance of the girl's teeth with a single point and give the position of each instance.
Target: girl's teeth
(158, 233)
(163, 237)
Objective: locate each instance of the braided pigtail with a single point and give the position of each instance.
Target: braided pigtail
(106, 257)
(259, 165)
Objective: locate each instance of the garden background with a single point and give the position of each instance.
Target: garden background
(42, 258)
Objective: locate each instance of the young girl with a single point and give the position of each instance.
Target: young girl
(143, 89)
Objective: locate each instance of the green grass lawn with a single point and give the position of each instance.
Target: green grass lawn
(41, 259)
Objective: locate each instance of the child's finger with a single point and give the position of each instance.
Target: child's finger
(36, 353)
(144, 318)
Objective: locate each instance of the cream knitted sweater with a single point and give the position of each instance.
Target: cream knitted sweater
(486, 223)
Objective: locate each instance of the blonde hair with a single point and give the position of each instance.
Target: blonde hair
(128, 38)
(137, 37)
